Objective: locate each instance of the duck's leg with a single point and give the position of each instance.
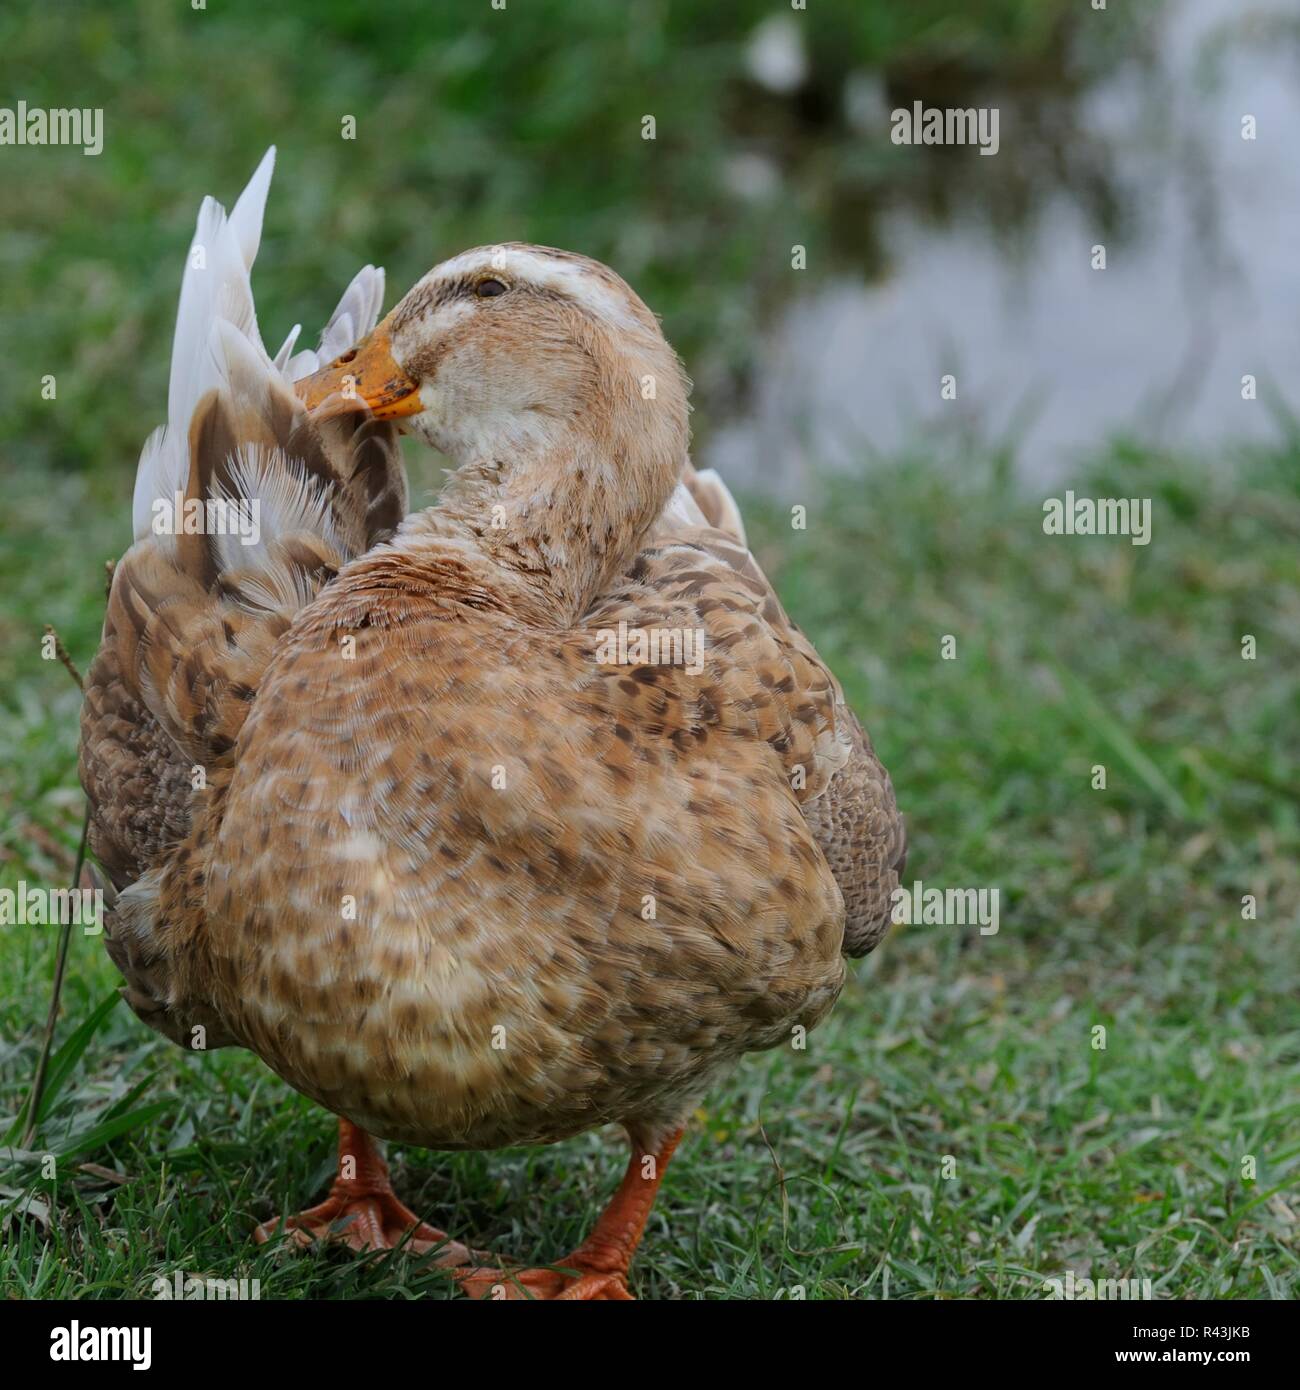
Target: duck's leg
(598, 1268)
(362, 1210)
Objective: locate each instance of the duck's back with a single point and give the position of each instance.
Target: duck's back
(475, 884)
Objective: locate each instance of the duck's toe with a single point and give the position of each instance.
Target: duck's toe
(568, 1280)
(364, 1222)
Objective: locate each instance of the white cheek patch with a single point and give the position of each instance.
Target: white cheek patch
(518, 266)
(422, 332)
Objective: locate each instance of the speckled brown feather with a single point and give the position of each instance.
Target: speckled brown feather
(455, 875)
(186, 641)
(521, 907)
(853, 815)
(518, 907)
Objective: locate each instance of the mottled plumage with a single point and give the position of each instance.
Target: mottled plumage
(450, 870)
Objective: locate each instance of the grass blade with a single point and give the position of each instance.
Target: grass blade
(60, 1067)
(113, 1128)
(1121, 743)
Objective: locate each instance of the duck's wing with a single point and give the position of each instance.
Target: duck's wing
(243, 511)
(698, 568)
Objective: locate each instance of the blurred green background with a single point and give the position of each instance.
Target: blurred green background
(472, 125)
(1121, 907)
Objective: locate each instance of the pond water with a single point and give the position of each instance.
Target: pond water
(1053, 357)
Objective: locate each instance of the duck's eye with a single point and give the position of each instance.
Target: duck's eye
(489, 289)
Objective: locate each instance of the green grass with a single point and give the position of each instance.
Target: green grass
(823, 1169)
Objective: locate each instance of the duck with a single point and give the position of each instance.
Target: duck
(488, 823)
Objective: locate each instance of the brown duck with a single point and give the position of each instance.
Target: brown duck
(487, 824)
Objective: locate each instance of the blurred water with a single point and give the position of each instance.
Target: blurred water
(1202, 287)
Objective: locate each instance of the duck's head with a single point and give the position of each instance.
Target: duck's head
(544, 379)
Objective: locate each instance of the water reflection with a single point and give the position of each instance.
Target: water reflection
(989, 276)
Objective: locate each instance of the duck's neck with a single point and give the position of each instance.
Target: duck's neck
(542, 532)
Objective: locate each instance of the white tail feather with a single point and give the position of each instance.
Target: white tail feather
(286, 502)
(216, 308)
(357, 313)
(286, 349)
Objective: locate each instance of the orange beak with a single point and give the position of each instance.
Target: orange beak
(367, 377)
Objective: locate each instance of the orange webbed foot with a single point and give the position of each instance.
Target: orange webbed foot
(569, 1280)
(363, 1212)
(374, 1221)
(597, 1269)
